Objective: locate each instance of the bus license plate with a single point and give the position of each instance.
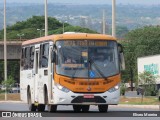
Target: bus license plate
(88, 96)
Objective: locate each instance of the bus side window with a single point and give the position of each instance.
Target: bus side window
(22, 59)
(44, 54)
(31, 57)
(40, 56)
(26, 58)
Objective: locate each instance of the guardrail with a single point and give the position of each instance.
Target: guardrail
(11, 42)
(14, 40)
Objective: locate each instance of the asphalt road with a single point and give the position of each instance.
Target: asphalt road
(15, 106)
(119, 112)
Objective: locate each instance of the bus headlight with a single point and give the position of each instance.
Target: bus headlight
(60, 87)
(114, 88)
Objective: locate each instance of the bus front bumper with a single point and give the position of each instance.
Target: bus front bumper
(63, 98)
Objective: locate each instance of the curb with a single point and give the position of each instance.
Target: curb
(10, 101)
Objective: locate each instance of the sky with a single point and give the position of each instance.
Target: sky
(141, 2)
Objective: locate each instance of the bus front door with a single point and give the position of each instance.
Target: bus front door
(36, 76)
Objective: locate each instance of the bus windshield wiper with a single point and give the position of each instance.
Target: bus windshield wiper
(97, 68)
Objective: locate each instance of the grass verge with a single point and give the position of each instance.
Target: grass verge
(138, 101)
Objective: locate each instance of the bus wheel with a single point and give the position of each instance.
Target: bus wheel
(85, 108)
(103, 108)
(31, 106)
(41, 107)
(52, 108)
(77, 108)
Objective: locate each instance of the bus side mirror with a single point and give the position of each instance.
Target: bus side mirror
(121, 56)
(53, 57)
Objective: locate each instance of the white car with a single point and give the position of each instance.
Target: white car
(15, 88)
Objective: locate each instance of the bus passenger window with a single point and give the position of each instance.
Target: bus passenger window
(44, 54)
(22, 59)
(31, 57)
(26, 58)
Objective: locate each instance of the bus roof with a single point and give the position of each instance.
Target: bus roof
(72, 36)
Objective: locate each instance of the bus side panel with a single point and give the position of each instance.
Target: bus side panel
(41, 82)
(25, 82)
(23, 87)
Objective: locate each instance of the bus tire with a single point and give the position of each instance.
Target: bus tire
(31, 106)
(103, 108)
(85, 108)
(52, 108)
(77, 108)
(41, 107)
(45, 95)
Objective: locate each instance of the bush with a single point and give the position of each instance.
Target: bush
(123, 90)
(8, 83)
(2, 91)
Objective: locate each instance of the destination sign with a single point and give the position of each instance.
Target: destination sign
(85, 43)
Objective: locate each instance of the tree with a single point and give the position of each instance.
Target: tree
(121, 31)
(30, 26)
(8, 83)
(72, 29)
(138, 43)
(122, 89)
(148, 81)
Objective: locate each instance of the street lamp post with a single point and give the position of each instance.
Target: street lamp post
(63, 27)
(20, 36)
(40, 31)
(5, 49)
(46, 19)
(114, 18)
(104, 22)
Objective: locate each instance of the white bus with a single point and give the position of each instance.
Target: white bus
(76, 69)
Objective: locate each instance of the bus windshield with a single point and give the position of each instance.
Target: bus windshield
(87, 59)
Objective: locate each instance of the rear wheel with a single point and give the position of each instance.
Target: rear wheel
(41, 107)
(52, 108)
(31, 106)
(103, 108)
(77, 108)
(85, 108)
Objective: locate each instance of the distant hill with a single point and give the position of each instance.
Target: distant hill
(30, 26)
(130, 16)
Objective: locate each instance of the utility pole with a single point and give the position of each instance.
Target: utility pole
(114, 18)
(104, 23)
(46, 19)
(131, 75)
(63, 27)
(5, 50)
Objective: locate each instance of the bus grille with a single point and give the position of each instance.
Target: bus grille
(96, 99)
